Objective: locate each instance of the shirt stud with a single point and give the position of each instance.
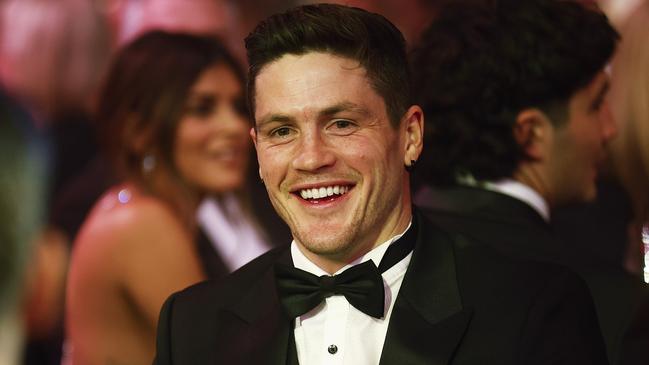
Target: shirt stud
(332, 349)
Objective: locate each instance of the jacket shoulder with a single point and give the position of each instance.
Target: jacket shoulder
(232, 287)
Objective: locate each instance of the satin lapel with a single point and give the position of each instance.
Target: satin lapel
(428, 321)
(267, 329)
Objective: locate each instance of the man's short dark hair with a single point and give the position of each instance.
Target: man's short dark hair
(482, 62)
(344, 31)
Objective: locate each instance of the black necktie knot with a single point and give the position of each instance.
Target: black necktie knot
(327, 285)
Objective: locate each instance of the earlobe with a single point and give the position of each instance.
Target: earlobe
(414, 133)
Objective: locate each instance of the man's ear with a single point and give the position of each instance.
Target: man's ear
(531, 132)
(413, 126)
(253, 135)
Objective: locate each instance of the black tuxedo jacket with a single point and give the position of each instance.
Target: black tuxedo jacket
(459, 304)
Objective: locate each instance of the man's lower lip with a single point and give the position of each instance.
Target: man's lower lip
(323, 200)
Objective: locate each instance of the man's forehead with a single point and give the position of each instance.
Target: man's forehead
(313, 60)
(314, 79)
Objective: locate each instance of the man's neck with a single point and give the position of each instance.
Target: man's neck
(319, 265)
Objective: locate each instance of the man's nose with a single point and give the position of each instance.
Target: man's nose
(313, 153)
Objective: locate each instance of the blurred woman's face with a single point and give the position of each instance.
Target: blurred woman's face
(212, 145)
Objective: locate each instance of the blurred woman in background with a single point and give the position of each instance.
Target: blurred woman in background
(629, 156)
(172, 113)
(629, 152)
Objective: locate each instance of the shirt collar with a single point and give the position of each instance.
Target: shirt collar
(376, 255)
(514, 189)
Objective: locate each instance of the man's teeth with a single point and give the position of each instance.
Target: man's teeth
(323, 192)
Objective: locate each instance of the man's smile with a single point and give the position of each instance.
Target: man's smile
(322, 193)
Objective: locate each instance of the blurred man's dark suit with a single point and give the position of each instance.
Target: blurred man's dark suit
(599, 232)
(512, 227)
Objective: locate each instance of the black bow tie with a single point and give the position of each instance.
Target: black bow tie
(362, 285)
(301, 291)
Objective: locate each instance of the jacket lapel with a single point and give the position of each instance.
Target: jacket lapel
(265, 327)
(428, 321)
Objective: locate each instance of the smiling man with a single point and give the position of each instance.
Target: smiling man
(331, 160)
(366, 279)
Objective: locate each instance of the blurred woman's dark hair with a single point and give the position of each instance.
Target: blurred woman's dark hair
(144, 98)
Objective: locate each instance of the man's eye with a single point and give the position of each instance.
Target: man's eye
(342, 127)
(281, 132)
(343, 123)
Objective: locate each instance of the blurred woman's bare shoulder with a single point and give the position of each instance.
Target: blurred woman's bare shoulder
(131, 253)
(128, 215)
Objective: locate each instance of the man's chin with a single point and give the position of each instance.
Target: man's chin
(324, 246)
(326, 242)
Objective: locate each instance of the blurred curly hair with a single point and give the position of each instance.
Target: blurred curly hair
(481, 62)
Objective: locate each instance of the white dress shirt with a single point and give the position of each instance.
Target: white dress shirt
(335, 332)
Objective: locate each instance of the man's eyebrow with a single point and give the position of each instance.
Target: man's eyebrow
(280, 118)
(328, 111)
(342, 107)
(601, 93)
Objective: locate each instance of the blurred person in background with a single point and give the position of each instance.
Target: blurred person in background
(128, 19)
(608, 232)
(173, 116)
(518, 120)
(52, 56)
(629, 153)
(22, 189)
